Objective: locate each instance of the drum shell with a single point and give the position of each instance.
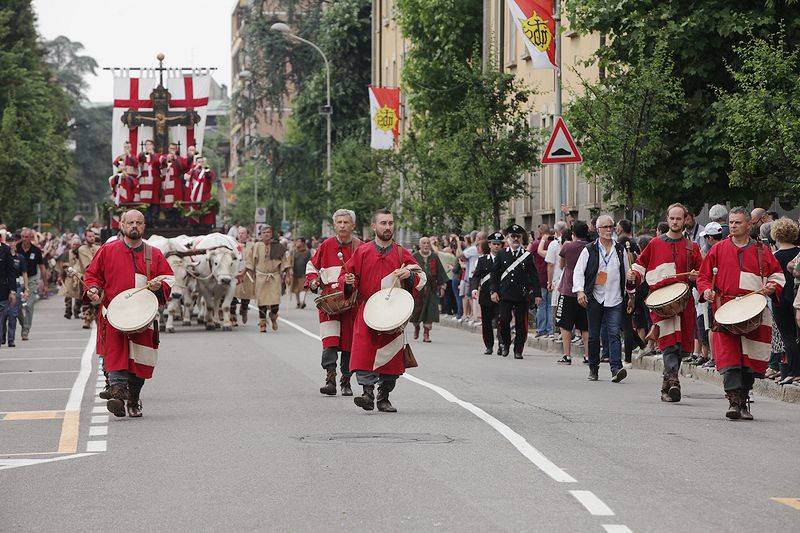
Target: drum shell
(149, 311)
(335, 303)
(744, 327)
(672, 308)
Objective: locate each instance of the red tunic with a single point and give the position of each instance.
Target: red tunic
(149, 179)
(660, 261)
(199, 190)
(738, 274)
(372, 351)
(125, 190)
(112, 270)
(326, 265)
(171, 182)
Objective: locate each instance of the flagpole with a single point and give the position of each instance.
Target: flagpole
(560, 168)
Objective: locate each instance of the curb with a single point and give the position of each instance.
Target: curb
(762, 387)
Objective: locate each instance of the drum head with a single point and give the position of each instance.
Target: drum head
(385, 312)
(666, 294)
(740, 309)
(134, 313)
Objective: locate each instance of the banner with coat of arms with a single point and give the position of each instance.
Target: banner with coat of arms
(384, 111)
(534, 18)
(144, 110)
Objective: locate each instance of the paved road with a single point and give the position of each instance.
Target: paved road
(237, 437)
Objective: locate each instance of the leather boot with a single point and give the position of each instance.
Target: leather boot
(744, 404)
(367, 400)
(734, 411)
(243, 314)
(426, 334)
(134, 404)
(234, 323)
(344, 384)
(118, 393)
(416, 331)
(262, 326)
(274, 318)
(105, 394)
(665, 390)
(384, 405)
(329, 388)
(674, 391)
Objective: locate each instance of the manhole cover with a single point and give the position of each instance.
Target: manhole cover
(705, 396)
(380, 438)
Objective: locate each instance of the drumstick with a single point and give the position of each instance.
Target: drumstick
(394, 283)
(140, 289)
(74, 273)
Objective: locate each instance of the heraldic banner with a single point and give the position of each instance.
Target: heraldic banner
(136, 117)
(534, 18)
(384, 111)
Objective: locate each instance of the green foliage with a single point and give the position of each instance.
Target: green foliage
(623, 124)
(701, 38)
(760, 118)
(92, 134)
(34, 161)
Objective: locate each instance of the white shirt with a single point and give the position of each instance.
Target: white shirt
(472, 255)
(234, 232)
(552, 259)
(608, 294)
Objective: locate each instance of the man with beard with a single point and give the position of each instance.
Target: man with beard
(668, 259)
(129, 358)
(86, 253)
(378, 358)
(323, 272)
(246, 282)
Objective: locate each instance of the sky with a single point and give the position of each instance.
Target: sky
(190, 33)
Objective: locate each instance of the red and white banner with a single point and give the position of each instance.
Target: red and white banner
(534, 18)
(187, 91)
(384, 112)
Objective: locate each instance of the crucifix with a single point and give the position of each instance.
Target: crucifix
(161, 118)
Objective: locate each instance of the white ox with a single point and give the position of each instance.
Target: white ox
(184, 288)
(215, 272)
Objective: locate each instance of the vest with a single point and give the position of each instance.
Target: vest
(593, 265)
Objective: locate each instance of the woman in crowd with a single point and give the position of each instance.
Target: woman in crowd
(784, 233)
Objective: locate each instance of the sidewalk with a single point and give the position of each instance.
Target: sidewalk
(762, 387)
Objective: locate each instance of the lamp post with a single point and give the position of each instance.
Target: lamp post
(280, 27)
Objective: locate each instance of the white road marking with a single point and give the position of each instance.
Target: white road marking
(616, 528)
(29, 390)
(99, 400)
(35, 358)
(6, 464)
(97, 409)
(518, 441)
(100, 419)
(98, 431)
(592, 503)
(43, 372)
(96, 446)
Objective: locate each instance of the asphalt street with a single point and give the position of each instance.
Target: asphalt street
(236, 437)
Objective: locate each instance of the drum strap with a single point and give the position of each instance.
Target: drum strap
(689, 256)
(148, 258)
(760, 253)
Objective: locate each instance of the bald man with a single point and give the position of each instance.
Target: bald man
(128, 358)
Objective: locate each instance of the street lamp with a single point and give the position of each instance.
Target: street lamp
(280, 27)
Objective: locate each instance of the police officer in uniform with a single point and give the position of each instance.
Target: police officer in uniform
(481, 279)
(514, 280)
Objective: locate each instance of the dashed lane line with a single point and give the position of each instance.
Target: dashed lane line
(68, 443)
(592, 503)
(616, 528)
(32, 390)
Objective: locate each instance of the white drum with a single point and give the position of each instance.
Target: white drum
(131, 311)
(389, 310)
(741, 315)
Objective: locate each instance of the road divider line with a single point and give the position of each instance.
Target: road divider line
(616, 528)
(96, 446)
(31, 390)
(35, 358)
(100, 419)
(70, 428)
(592, 503)
(98, 431)
(44, 372)
(518, 441)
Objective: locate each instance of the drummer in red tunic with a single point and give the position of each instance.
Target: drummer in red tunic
(668, 259)
(323, 271)
(743, 265)
(378, 358)
(120, 265)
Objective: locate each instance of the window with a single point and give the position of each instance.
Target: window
(512, 40)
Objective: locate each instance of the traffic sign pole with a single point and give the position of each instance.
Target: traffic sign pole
(561, 175)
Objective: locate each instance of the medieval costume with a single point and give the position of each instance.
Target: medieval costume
(171, 188)
(426, 304)
(70, 286)
(150, 186)
(740, 358)
(128, 358)
(199, 184)
(125, 182)
(659, 263)
(336, 331)
(246, 286)
(268, 262)
(378, 358)
(86, 253)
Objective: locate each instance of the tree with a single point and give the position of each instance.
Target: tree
(91, 131)
(760, 118)
(701, 38)
(623, 125)
(63, 57)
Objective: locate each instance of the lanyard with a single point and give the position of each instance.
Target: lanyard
(606, 258)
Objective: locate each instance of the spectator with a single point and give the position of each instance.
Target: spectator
(37, 277)
(544, 324)
(785, 232)
(447, 256)
(570, 315)
(550, 251)
(8, 286)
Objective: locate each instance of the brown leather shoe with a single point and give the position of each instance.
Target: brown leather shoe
(426, 334)
(243, 314)
(734, 411)
(134, 404)
(329, 389)
(344, 384)
(744, 403)
(262, 326)
(416, 331)
(384, 405)
(119, 394)
(274, 319)
(367, 400)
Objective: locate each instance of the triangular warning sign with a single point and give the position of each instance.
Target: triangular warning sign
(561, 148)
